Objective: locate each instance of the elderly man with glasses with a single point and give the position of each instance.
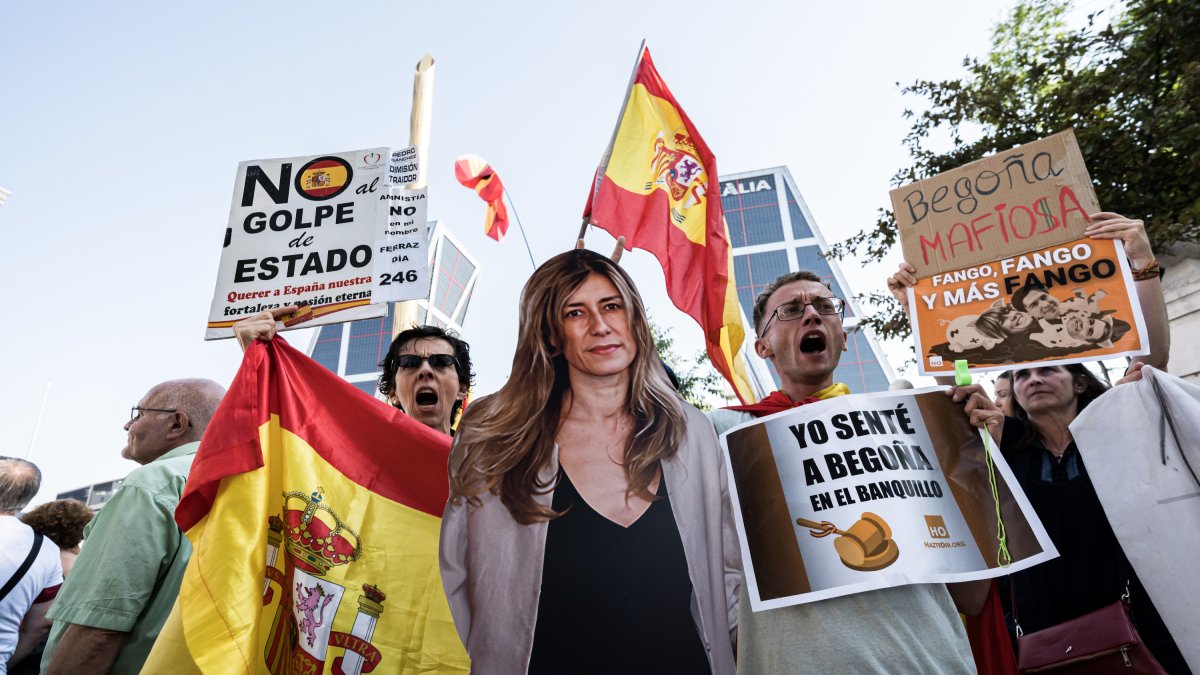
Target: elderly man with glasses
(904, 629)
(127, 575)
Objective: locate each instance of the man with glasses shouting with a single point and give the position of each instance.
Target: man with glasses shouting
(903, 629)
(126, 579)
(426, 373)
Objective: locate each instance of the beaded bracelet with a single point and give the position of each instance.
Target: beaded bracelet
(1151, 271)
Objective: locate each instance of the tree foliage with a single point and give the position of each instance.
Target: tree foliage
(699, 383)
(1129, 84)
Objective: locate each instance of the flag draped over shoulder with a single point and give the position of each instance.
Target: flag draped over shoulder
(474, 172)
(313, 512)
(657, 186)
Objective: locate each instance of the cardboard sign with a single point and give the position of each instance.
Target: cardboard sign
(1064, 304)
(1029, 198)
(300, 232)
(857, 493)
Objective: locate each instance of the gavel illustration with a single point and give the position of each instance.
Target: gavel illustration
(866, 546)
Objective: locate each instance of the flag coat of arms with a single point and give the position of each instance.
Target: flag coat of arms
(657, 186)
(313, 512)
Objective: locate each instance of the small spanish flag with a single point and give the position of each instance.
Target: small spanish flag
(313, 511)
(657, 186)
(474, 172)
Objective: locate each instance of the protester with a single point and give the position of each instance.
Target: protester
(417, 376)
(903, 629)
(127, 575)
(29, 566)
(1091, 570)
(1003, 392)
(1047, 465)
(588, 527)
(62, 522)
(427, 374)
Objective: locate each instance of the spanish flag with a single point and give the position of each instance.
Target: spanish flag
(474, 172)
(313, 511)
(657, 186)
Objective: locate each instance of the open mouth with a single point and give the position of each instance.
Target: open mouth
(813, 343)
(426, 397)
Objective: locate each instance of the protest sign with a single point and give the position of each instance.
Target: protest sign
(1029, 198)
(856, 493)
(322, 231)
(403, 166)
(402, 254)
(1064, 304)
(300, 232)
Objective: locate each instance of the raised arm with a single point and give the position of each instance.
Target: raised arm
(1132, 233)
(261, 326)
(898, 284)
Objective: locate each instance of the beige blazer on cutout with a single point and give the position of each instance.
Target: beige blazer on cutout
(492, 566)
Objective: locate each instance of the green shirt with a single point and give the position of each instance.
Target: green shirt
(133, 556)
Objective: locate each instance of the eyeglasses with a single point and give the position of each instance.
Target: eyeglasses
(439, 361)
(790, 311)
(135, 413)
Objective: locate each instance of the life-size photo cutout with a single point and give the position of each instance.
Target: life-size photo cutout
(857, 493)
(1004, 273)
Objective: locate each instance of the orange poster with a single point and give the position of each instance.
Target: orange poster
(1067, 303)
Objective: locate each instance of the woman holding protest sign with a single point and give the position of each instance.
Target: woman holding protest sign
(1092, 570)
(588, 528)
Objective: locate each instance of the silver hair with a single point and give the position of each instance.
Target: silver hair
(20, 481)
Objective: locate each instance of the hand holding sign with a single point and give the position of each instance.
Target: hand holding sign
(261, 326)
(980, 409)
(899, 283)
(1132, 233)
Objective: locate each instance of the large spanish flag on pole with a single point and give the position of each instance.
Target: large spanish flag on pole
(313, 512)
(657, 186)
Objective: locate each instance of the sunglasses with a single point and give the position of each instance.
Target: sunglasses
(439, 361)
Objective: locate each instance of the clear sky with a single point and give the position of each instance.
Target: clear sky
(122, 124)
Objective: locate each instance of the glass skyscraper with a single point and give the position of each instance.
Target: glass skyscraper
(773, 233)
(353, 350)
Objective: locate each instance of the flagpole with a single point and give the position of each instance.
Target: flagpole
(407, 314)
(38, 424)
(617, 127)
(520, 227)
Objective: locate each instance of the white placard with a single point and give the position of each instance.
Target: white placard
(857, 493)
(300, 231)
(403, 166)
(401, 269)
